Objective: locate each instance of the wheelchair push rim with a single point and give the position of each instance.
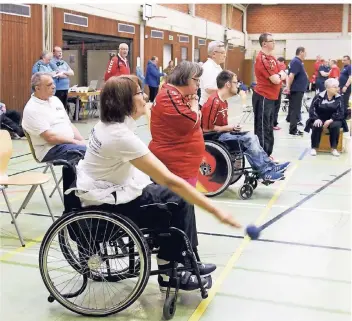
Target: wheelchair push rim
(89, 284)
(216, 170)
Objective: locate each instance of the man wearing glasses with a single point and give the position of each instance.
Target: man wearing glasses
(211, 69)
(266, 92)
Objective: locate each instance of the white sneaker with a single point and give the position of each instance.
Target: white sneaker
(334, 152)
(313, 152)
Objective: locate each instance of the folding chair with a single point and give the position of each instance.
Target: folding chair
(48, 165)
(24, 179)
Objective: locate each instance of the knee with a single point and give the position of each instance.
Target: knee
(336, 125)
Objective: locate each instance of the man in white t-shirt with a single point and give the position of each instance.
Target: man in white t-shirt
(211, 69)
(47, 123)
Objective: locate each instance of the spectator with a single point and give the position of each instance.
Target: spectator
(282, 66)
(177, 139)
(297, 84)
(268, 83)
(345, 81)
(323, 74)
(152, 77)
(44, 64)
(140, 76)
(170, 67)
(211, 69)
(334, 71)
(10, 120)
(118, 65)
(62, 80)
(215, 118)
(317, 64)
(326, 112)
(47, 123)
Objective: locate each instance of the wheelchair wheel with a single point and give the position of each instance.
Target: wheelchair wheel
(169, 308)
(96, 249)
(215, 171)
(245, 192)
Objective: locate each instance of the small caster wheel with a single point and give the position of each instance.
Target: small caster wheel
(245, 192)
(51, 299)
(169, 307)
(254, 184)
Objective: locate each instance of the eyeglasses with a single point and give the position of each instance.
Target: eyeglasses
(197, 80)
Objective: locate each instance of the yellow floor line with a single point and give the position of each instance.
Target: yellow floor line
(197, 314)
(11, 254)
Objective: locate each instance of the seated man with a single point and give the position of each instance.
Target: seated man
(10, 121)
(215, 118)
(47, 123)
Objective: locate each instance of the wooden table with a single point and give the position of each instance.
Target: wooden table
(83, 96)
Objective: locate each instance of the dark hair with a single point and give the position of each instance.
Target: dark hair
(281, 59)
(264, 37)
(224, 77)
(116, 98)
(183, 72)
(348, 57)
(153, 58)
(299, 50)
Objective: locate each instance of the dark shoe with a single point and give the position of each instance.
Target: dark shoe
(300, 124)
(297, 133)
(188, 282)
(206, 269)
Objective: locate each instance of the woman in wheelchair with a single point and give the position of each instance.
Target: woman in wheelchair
(115, 176)
(327, 112)
(215, 119)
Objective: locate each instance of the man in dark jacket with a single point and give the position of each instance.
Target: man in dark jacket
(152, 77)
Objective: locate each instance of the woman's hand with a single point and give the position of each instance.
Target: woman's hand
(227, 219)
(327, 123)
(318, 123)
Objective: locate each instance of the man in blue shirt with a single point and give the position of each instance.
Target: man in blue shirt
(345, 81)
(62, 80)
(297, 83)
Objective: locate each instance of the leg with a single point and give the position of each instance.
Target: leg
(346, 97)
(316, 135)
(277, 109)
(59, 152)
(334, 129)
(152, 93)
(295, 106)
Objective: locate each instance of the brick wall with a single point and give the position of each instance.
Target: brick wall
(179, 7)
(211, 12)
(234, 18)
(295, 18)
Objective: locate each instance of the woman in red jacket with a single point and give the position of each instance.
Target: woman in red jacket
(177, 138)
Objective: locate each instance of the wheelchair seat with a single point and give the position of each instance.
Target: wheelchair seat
(211, 135)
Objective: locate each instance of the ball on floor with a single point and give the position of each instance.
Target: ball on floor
(253, 232)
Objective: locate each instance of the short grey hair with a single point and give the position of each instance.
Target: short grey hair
(213, 45)
(44, 53)
(331, 82)
(183, 72)
(36, 79)
(123, 44)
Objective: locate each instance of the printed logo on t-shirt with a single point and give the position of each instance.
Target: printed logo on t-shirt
(94, 142)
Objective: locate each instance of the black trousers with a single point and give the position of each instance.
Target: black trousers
(153, 91)
(160, 207)
(62, 95)
(264, 121)
(294, 109)
(277, 109)
(334, 130)
(11, 121)
(346, 98)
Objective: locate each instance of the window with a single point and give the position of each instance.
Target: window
(157, 34)
(201, 42)
(16, 9)
(196, 55)
(122, 27)
(183, 39)
(73, 19)
(183, 53)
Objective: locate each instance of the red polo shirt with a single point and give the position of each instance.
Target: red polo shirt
(214, 112)
(334, 72)
(116, 67)
(317, 64)
(177, 139)
(266, 66)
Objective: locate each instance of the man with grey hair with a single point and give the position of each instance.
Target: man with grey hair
(44, 64)
(211, 69)
(118, 65)
(47, 123)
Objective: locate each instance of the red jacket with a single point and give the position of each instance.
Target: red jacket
(116, 67)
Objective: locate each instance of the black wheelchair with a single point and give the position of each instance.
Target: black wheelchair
(97, 263)
(222, 166)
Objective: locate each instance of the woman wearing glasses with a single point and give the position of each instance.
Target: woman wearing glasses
(115, 176)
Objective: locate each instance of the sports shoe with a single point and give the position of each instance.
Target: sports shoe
(272, 176)
(188, 282)
(280, 168)
(300, 123)
(334, 152)
(297, 133)
(313, 152)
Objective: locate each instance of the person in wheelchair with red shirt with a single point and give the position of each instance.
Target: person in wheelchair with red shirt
(215, 118)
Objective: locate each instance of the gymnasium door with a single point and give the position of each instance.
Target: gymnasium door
(167, 55)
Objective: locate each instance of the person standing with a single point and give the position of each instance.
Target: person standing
(323, 74)
(297, 83)
(118, 65)
(334, 71)
(62, 81)
(269, 78)
(345, 81)
(282, 66)
(152, 77)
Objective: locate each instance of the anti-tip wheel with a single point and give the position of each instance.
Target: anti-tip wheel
(245, 192)
(51, 299)
(169, 308)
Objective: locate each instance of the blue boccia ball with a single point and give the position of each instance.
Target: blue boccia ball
(253, 231)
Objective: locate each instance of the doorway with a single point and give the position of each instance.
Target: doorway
(167, 55)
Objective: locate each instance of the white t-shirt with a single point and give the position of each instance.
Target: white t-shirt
(42, 115)
(208, 79)
(106, 165)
